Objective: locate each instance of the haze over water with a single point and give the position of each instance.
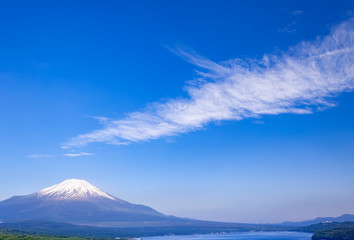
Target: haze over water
(239, 236)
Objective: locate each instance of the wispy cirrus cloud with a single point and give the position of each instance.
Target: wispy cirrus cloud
(290, 27)
(297, 12)
(78, 154)
(300, 81)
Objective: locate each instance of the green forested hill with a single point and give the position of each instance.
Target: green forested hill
(326, 226)
(334, 234)
(18, 235)
(199, 227)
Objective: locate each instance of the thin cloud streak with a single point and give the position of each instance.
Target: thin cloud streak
(300, 81)
(78, 154)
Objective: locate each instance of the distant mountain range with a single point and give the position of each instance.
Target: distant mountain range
(343, 218)
(326, 226)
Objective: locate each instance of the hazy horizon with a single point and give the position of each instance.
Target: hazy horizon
(213, 110)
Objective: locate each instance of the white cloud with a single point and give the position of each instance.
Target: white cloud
(297, 12)
(78, 154)
(300, 81)
(41, 156)
(291, 27)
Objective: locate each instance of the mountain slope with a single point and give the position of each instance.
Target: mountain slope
(325, 226)
(343, 218)
(75, 201)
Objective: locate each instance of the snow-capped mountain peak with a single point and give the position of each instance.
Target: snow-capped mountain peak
(73, 189)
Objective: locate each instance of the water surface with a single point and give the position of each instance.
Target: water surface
(239, 236)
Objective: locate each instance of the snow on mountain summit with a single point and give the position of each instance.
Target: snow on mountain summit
(73, 189)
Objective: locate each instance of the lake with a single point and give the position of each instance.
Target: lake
(239, 236)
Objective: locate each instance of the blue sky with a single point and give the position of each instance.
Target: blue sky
(219, 110)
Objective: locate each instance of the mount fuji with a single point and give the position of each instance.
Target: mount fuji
(77, 201)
